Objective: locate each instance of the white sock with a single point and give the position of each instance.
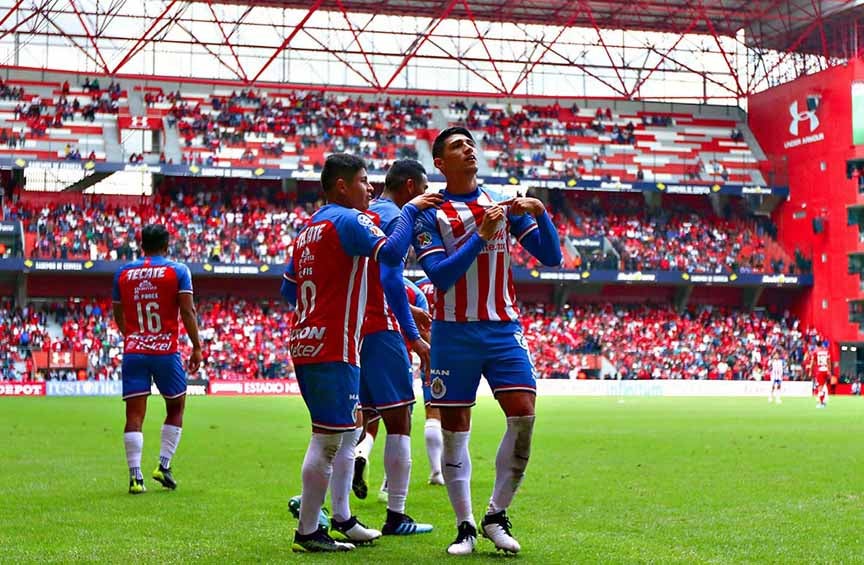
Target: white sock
(397, 465)
(364, 448)
(457, 474)
(343, 473)
(316, 471)
(134, 442)
(511, 461)
(434, 444)
(170, 439)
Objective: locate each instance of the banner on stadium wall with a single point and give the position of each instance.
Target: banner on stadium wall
(520, 274)
(84, 388)
(14, 388)
(668, 388)
(60, 359)
(272, 387)
(9, 228)
(139, 122)
(279, 174)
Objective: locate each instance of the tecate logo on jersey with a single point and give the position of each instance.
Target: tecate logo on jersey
(309, 235)
(146, 273)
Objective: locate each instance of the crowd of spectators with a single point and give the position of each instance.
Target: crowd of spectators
(205, 226)
(248, 339)
(656, 342)
(374, 130)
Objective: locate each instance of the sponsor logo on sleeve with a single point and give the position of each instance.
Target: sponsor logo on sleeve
(424, 239)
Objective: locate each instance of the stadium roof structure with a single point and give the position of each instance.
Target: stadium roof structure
(693, 50)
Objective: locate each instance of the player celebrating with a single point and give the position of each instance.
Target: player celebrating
(432, 432)
(778, 370)
(820, 371)
(147, 295)
(465, 250)
(325, 339)
(386, 385)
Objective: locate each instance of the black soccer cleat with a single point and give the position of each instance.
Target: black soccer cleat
(399, 524)
(358, 483)
(164, 476)
(136, 486)
(318, 541)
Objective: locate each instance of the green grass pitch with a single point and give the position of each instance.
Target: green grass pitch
(643, 480)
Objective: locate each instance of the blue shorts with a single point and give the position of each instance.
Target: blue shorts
(330, 393)
(461, 352)
(141, 371)
(386, 380)
(777, 383)
(427, 394)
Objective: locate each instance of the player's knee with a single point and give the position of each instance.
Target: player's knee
(517, 404)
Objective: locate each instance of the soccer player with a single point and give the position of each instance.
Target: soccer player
(327, 278)
(148, 294)
(464, 248)
(820, 371)
(432, 432)
(386, 383)
(778, 369)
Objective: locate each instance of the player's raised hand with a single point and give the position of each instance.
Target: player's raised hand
(524, 204)
(422, 319)
(491, 222)
(421, 348)
(427, 200)
(195, 360)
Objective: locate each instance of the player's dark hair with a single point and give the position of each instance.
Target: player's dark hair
(403, 170)
(441, 139)
(340, 165)
(154, 238)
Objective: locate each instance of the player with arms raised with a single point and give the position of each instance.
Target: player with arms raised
(464, 247)
(328, 279)
(148, 294)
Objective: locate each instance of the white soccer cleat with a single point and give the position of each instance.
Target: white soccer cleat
(354, 531)
(436, 478)
(466, 540)
(496, 527)
(779, 401)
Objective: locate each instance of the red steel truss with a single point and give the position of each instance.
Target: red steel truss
(507, 47)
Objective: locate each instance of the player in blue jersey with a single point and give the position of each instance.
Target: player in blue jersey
(148, 294)
(386, 383)
(464, 248)
(327, 280)
(425, 294)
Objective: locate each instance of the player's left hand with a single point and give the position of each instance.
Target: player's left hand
(524, 204)
(422, 319)
(421, 348)
(195, 360)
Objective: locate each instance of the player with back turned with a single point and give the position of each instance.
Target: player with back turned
(327, 278)
(464, 248)
(148, 294)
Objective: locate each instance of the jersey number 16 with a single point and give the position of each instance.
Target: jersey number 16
(148, 317)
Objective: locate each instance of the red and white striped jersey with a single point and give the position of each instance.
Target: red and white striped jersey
(330, 267)
(485, 292)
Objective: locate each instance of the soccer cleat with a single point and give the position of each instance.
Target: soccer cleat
(318, 541)
(399, 524)
(164, 476)
(496, 527)
(136, 486)
(358, 484)
(436, 478)
(354, 531)
(323, 515)
(466, 539)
